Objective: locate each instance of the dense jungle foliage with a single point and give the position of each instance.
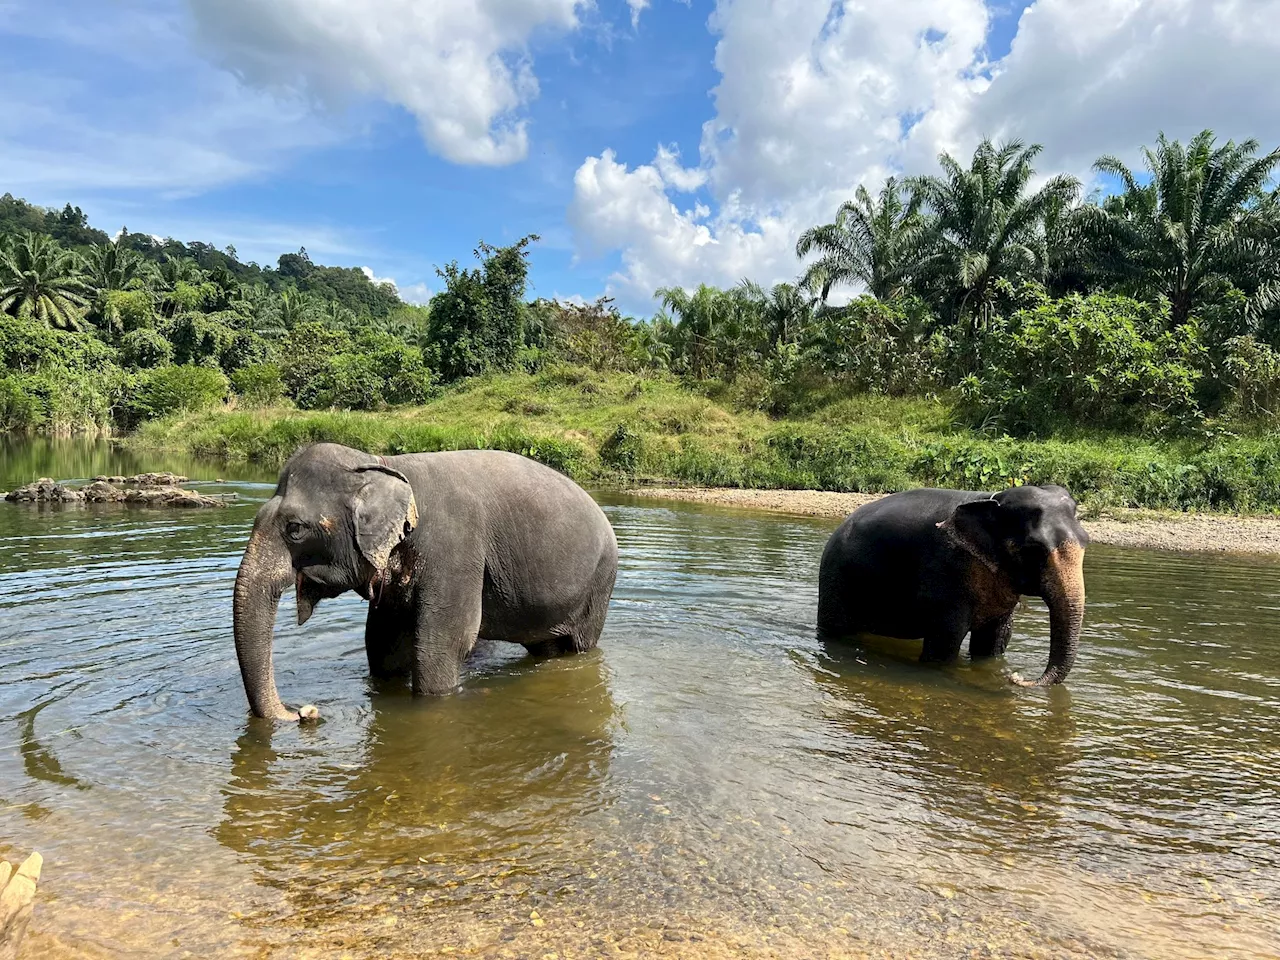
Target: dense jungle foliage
(1025, 312)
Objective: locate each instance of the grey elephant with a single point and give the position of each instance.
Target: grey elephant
(940, 565)
(446, 547)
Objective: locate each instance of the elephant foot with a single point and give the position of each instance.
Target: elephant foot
(17, 900)
(941, 649)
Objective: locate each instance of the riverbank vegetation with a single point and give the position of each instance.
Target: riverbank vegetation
(1126, 345)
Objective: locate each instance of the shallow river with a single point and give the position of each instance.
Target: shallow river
(711, 782)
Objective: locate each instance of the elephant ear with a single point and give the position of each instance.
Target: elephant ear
(384, 513)
(977, 526)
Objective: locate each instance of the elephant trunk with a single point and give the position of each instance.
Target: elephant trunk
(265, 571)
(1063, 592)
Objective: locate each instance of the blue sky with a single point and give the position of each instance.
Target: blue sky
(214, 120)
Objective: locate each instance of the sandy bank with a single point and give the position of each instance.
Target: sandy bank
(1213, 533)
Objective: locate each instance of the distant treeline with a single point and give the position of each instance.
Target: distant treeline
(1154, 308)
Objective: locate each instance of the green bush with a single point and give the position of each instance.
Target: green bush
(405, 376)
(623, 449)
(305, 354)
(349, 381)
(19, 409)
(27, 346)
(245, 349)
(1102, 361)
(173, 389)
(258, 383)
(145, 348)
(59, 401)
(198, 338)
(877, 347)
(1253, 373)
(125, 310)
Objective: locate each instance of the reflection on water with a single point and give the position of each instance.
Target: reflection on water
(712, 782)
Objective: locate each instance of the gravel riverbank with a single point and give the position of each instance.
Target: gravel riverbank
(1210, 533)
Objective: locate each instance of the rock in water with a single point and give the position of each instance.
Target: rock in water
(173, 497)
(17, 900)
(103, 491)
(44, 490)
(156, 480)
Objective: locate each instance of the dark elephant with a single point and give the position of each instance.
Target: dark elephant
(446, 547)
(943, 564)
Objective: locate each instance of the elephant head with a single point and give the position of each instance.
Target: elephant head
(335, 519)
(1031, 536)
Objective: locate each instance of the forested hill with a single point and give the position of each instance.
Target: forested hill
(348, 286)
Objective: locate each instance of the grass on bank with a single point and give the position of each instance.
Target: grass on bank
(608, 429)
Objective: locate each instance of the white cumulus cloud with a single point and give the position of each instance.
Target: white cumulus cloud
(615, 208)
(461, 67)
(418, 294)
(1087, 77)
(816, 97)
(377, 281)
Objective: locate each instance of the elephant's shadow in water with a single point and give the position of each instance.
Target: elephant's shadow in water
(491, 781)
(974, 747)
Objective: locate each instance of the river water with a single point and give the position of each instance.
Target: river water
(711, 782)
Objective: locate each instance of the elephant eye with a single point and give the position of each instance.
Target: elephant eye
(295, 530)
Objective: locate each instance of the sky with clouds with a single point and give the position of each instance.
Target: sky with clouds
(648, 142)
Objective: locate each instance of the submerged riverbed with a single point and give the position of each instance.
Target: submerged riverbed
(711, 782)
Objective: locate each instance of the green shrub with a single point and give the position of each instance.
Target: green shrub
(27, 346)
(305, 354)
(198, 338)
(1104, 361)
(623, 449)
(145, 348)
(349, 381)
(245, 349)
(877, 347)
(125, 310)
(58, 401)
(405, 376)
(173, 389)
(1253, 373)
(19, 409)
(258, 383)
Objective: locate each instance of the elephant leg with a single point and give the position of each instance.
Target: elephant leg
(448, 626)
(388, 641)
(555, 647)
(992, 638)
(942, 643)
(582, 631)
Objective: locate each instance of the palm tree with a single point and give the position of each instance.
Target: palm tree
(651, 345)
(984, 226)
(1201, 219)
(41, 280)
(175, 270)
(784, 310)
(295, 308)
(113, 267)
(259, 309)
(336, 315)
(872, 242)
(710, 329)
